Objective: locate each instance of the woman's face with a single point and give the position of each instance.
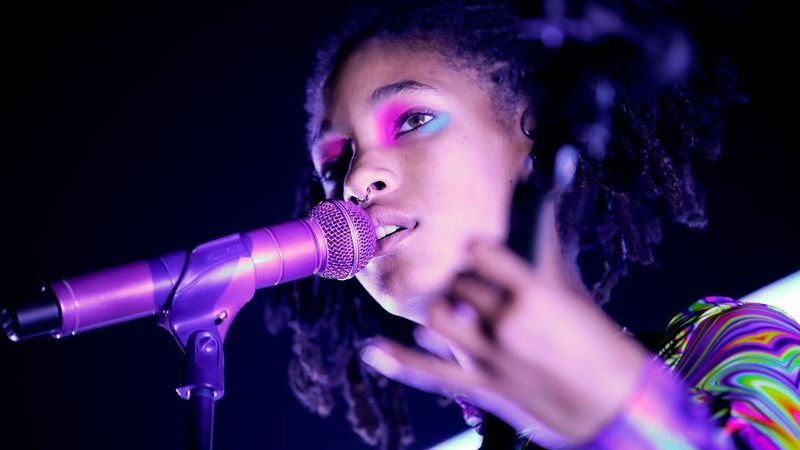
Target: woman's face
(434, 157)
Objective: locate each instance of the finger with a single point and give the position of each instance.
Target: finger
(417, 369)
(499, 265)
(433, 342)
(487, 299)
(462, 327)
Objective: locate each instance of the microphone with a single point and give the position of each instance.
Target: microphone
(335, 240)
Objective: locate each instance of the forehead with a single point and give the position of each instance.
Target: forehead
(376, 64)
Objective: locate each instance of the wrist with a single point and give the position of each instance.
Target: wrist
(610, 384)
(659, 413)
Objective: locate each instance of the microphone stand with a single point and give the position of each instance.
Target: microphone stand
(203, 385)
(196, 295)
(217, 280)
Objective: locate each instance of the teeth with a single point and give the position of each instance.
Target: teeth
(385, 230)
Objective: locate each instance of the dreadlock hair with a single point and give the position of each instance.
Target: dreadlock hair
(615, 203)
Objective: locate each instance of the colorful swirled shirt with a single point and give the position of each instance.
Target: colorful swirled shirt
(726, 377)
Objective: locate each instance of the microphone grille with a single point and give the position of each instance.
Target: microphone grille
(350, 236)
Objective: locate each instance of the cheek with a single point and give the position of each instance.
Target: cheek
(478, 166)
(476, 182)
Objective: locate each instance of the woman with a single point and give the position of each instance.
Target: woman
(431, 117)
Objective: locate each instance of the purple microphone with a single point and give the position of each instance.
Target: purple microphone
(335, 240)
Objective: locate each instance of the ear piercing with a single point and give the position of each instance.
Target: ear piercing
(528, 122)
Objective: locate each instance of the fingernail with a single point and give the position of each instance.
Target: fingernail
(431, 341)
(465, 314)
(380, 360)
(565, 166)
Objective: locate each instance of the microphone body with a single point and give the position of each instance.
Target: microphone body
(336, 240)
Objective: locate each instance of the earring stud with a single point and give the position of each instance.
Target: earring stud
(528, 122)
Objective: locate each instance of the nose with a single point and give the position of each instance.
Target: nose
(370, 176)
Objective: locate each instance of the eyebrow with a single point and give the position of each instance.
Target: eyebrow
(381, 94)
(395, 88)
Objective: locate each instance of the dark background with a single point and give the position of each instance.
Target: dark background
(131, 130)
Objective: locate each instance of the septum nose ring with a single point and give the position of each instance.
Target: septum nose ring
(359, 201)
(378, 185)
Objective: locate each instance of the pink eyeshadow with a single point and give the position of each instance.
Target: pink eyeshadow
(386, 121)
(331, 148)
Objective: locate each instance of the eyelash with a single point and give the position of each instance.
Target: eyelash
(404, 118)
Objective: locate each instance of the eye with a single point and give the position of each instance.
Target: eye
(335, 170)
(414, 120)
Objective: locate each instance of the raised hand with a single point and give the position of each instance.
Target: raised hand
(531, 346)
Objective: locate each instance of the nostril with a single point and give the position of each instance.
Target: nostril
(379, 185)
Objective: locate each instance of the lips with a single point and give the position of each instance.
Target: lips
(384, 216)
(391, 226)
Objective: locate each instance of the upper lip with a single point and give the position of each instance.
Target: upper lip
(382, 215)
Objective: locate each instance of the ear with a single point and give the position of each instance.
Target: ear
(527, 124)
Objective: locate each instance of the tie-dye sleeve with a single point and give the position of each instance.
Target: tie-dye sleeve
(740, 369)
(743, 361)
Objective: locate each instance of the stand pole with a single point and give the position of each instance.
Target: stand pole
(201, 419)
(203, 385)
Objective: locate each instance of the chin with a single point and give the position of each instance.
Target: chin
(407, 290)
